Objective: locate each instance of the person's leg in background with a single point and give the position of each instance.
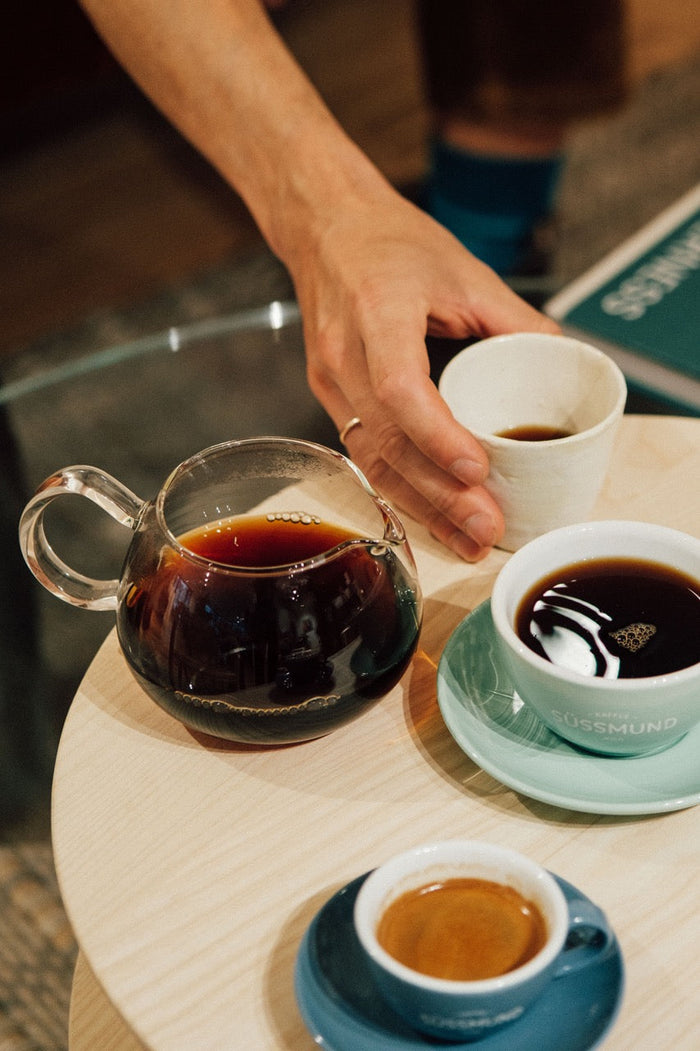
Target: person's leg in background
(505, 80)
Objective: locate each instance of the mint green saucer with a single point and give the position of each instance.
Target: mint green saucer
(503, 736)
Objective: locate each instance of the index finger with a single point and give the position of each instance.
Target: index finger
(407, 396)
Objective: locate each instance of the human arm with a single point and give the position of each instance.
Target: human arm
(372, 273)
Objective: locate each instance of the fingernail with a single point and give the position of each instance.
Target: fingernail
(481, 528)
(469, 472)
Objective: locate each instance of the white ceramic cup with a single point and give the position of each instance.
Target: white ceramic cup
(630, 716)
(524, 379)
(469, 1010)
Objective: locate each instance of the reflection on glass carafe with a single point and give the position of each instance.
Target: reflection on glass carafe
(245, 608)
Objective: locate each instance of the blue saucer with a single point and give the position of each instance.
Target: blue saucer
(343, 1012)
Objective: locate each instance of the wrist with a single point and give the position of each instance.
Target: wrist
(325, 178)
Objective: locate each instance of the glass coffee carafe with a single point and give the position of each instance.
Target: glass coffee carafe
(268, 595)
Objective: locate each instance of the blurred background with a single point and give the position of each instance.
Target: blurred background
(103, 205)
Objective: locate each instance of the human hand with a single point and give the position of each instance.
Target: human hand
(373, 273)
(371, 285)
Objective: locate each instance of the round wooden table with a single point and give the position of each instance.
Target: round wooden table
(191, 871)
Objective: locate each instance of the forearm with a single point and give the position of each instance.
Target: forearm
(219, 71)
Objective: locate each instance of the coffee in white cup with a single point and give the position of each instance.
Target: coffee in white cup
(546, 409)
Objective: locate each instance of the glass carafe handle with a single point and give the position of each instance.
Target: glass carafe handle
(66, 583)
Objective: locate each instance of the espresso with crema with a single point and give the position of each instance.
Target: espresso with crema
(462, 929)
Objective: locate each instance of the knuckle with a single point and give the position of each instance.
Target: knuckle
(446, 499)
(377, 470)
(393, 446)
(393, 385)
(327, 349)
(324, 361)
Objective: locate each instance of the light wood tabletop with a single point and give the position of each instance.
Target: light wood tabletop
(190, 870)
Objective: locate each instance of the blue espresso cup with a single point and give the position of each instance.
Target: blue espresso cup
(575, 935)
